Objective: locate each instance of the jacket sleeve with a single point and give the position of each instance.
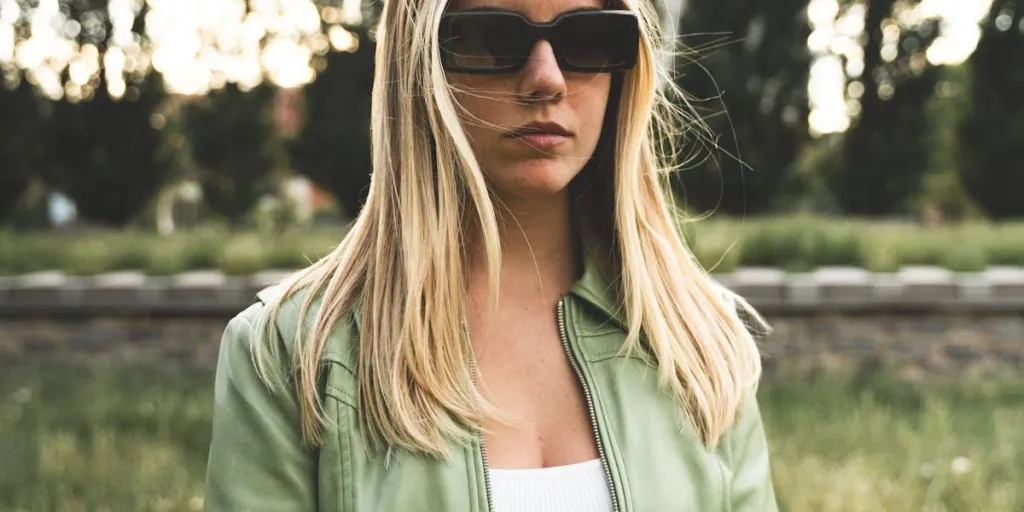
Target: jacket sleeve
(257, 461)
(752, 489)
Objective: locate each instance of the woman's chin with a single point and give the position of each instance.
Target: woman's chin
(534, 178)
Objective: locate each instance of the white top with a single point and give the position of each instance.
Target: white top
(580, 487)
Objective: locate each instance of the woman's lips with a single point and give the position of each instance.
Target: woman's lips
(541, 140)
(542, 135)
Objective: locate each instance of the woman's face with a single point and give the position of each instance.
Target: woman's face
(532, 130)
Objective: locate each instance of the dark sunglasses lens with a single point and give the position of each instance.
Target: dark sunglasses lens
(598, 41)
(484, 41)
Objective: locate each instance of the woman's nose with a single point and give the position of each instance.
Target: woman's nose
(541, 77)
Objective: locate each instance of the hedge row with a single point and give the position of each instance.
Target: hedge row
(233, 253)
(802, 244)
(794, 244)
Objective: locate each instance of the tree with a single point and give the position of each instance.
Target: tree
(22, 112)
(108, 160)
(106, 135)
(21, 150)
(992, 131)
(942, 189)
(751, 87)
(333, 147)
(233, 140)
(886, 150)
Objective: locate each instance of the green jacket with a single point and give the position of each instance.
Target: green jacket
(653, 460)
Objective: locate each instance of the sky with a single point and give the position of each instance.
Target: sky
(201, 44)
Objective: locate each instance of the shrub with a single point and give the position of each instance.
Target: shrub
(243, 254)
(1005, 245)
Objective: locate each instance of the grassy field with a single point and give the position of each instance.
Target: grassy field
(135, 439)
(792, 243)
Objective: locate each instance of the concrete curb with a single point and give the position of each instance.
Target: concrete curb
(845, 289)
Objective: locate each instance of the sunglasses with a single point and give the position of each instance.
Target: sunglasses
(589, 41)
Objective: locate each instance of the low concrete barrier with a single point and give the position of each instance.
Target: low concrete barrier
(919, 319)
(771, 290)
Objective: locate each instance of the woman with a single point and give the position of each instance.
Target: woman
(512, 144)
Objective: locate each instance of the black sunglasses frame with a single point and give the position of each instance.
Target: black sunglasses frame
(539, 32)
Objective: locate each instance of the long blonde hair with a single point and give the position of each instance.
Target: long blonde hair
(402, 258)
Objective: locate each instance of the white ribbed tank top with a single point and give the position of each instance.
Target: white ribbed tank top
(578, 487)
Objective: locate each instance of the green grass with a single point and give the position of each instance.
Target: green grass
(113, 439)
(136, 439)
(721, 245)
(887, 445)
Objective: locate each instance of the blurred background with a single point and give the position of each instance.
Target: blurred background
(864, 186)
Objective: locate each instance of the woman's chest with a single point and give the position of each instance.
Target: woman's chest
(650, 459)
(529, 376)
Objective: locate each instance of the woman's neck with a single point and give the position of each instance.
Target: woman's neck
(538, 252)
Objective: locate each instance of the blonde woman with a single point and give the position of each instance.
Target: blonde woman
(513, 322)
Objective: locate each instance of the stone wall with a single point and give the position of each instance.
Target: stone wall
(920, 320)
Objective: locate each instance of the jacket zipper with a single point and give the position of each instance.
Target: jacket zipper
(487, 476)
(483, 447)
(590, 403)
